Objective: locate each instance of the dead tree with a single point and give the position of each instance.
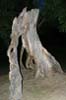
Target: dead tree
(15, 75)
(45, 63)
(25, 26)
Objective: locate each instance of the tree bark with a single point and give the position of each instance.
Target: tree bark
(14, 74)
(38, 56)
(45, 63)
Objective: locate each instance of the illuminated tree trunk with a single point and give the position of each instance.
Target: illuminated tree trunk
(44, 62)
(14, 74)
(38, 56)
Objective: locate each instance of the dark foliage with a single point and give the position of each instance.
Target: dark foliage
(52, 15)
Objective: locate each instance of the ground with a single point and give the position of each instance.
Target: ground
(52, 88)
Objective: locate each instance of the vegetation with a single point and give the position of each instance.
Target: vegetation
(55, 12)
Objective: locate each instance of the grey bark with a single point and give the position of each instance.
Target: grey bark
(45, 63)
(14, 74)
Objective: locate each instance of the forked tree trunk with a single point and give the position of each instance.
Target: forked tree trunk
(45, 63)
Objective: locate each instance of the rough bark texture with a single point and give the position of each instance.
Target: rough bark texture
(45, 63)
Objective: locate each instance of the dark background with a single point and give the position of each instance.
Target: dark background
(51, 36)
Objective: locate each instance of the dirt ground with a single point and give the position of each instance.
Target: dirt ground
(52, 88)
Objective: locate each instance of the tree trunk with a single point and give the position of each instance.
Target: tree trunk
(45, 63)
(15, 76)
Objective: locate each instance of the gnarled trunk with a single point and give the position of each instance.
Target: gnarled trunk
(45, 63)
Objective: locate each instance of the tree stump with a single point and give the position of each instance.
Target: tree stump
(25, 26)
(45, 63)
